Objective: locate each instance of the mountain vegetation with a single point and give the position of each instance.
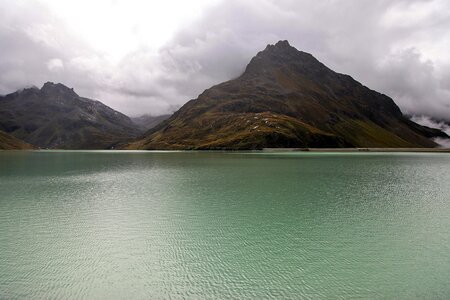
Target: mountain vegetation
(287, 98)
(8, 142)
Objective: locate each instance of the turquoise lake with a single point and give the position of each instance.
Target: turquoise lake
(213, 225)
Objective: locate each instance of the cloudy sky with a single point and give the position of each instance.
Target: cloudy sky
(153, 56)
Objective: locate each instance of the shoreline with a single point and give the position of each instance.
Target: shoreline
(267, 150)
(422, 150)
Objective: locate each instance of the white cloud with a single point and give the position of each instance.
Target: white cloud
(445, 143)
(429, 122)
(153, 56)
(55, 64)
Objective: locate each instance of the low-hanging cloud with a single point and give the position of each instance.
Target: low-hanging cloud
(396, 47)
(433, 123)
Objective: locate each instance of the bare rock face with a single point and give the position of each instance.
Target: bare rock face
(287, 98)
(56, 117)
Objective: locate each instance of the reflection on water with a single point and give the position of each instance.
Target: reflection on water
(224, 225)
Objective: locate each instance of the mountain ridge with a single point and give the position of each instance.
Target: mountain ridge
(56, 117)
(301, 102)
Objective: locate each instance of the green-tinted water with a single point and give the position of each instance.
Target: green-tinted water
(137, 225)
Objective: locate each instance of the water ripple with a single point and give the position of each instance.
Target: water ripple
(92, 225)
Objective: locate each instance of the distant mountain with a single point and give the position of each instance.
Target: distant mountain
(8, 142)
(56, 117)
(147, 122)
(287, 98)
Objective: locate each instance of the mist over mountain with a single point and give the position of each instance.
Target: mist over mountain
(287, 98)
(440, 124)
(147, 122)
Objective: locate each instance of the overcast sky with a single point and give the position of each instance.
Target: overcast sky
(153, 56)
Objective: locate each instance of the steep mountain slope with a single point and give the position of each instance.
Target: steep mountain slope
(8, 142)
(287, 98)
(56, 117)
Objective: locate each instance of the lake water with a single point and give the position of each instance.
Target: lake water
(150, 225)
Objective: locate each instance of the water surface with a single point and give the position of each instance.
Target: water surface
(201, 225)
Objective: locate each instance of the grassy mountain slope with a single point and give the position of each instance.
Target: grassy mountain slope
(8, 142)
(287, 98)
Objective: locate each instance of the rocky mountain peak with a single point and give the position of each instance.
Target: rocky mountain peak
(281, 56)
(280, 46)
(282, 49)
(58, 88)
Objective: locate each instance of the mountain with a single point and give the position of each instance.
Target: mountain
(287, 98)
(147, 122)
(8, 142)
(56, 117)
